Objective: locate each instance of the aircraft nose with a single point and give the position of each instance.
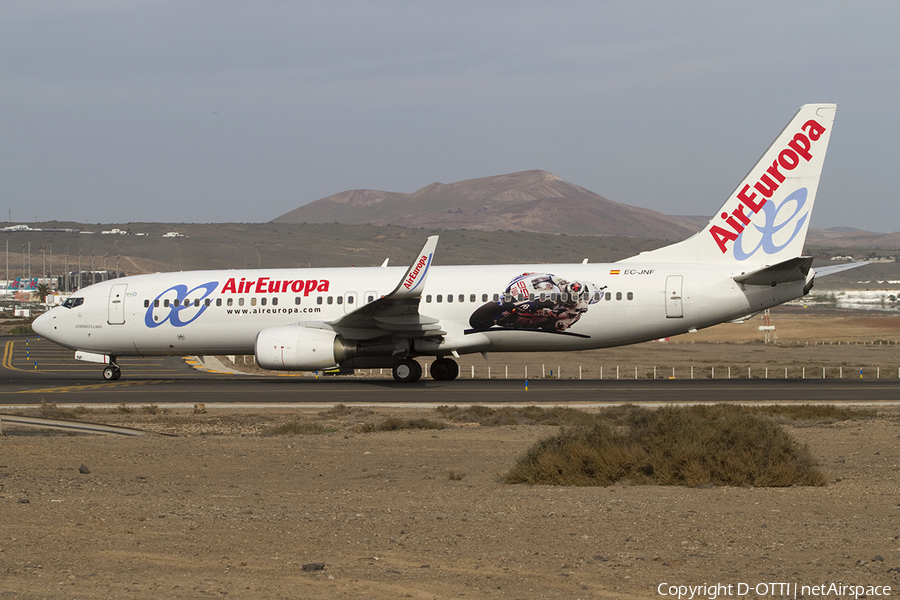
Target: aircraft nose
(43, 325)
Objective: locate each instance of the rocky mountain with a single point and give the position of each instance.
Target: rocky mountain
(535, 201)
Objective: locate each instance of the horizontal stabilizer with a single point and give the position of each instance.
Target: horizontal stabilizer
(832, 269)
(795, 269)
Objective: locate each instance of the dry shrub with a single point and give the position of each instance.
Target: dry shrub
(691, 446)
(396, 424)
(296, 427)
(508, 415)
(49, 410)
(811, 413)
(342, 410)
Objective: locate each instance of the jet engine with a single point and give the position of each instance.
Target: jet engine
(299, 348)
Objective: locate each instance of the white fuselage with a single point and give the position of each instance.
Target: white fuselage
(138, 316)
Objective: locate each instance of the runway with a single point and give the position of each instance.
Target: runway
(35, 371)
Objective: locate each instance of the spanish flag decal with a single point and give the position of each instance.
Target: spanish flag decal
(614, 272)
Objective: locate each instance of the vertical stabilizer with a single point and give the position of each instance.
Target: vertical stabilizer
(764, 221)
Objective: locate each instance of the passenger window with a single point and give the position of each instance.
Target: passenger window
(262, 301)
(597, 296)
(484, 297)
(240, 301)
(230, 301)
(471, 297)
(507, 297)
(253, 301)
(608, 296)
(449, 297)
(318, 299)
(462, 298)
(630, 296)
(297, 300)
(554, 297)
(531, 297)
(207, 302)
(156, 303)
(372, 299)
(146, 304)
(197, 302)
(440, 298)
(330, 300)
(166, 303)
(340, 299)
(175, 303)
(618, 295)
(496, 297)
(350, 299)
(274, 301)
(218, 302)
(428, 298)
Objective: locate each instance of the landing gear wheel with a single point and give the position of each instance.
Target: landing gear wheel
(407, 371)
(112, 373)
(444, 369)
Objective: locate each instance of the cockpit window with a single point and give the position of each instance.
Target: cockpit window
(72, 302)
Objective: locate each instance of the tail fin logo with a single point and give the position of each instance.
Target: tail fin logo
(772, 226)
(752, 201)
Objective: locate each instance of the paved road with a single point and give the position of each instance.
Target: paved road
(35, 370)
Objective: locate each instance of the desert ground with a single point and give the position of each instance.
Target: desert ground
(224, 508)
(218, 504)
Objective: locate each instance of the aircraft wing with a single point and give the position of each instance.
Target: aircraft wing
(396, 313)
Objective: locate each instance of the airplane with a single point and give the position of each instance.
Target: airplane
(747, 259)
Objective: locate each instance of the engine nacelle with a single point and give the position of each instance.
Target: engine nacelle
(299, 348)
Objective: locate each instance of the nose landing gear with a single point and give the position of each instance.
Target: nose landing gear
(112, 372)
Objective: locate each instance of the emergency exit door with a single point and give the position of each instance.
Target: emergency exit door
(117, 304)
(674, 308)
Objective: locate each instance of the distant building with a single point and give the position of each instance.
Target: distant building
(172, 234)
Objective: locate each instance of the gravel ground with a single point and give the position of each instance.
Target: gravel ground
(224, 509)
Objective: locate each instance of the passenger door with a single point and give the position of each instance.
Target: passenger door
(674, 308)
(117, 304)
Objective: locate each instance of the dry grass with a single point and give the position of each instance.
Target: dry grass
(495, 417)
(397, 424)
(696, 445)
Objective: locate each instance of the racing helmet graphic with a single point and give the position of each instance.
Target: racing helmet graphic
(574, 290)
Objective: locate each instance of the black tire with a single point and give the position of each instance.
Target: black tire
(406, 371)
(444, 369)
(454, 369)
(111, 373)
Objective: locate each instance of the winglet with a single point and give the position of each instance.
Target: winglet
(414, 280)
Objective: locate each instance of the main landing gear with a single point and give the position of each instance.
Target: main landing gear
(444, 369)
(112, 372)
(408, 370)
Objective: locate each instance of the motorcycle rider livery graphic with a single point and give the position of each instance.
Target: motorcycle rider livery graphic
(538, 301)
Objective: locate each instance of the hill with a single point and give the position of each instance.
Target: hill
(534, 201)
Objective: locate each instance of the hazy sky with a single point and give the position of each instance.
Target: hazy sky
(224, 110)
